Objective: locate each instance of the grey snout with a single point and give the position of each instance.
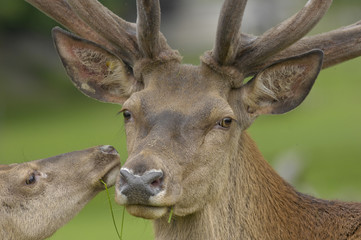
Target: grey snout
(137, 188)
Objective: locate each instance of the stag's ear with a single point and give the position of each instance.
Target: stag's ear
(95, 71)
(282, 86)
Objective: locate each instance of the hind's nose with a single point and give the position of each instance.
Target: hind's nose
(108, 149)
(137, 188)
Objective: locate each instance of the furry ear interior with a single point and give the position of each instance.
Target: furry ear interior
(95, 71)
(282, 86)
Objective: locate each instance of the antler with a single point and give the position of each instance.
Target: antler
(338, 46)
(253, 53)
(148, 26)
(116, 30)
(228, 31)
(92, 21)
(285, 34)
(60, 11)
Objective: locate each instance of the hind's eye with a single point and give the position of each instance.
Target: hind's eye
(127, 115)
(31, 179)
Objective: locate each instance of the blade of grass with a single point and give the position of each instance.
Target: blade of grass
(121, 228)
(170, 215)
(111, 211)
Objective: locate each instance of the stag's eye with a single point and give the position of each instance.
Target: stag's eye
(127, 115)
(31, 179)
(225, 122)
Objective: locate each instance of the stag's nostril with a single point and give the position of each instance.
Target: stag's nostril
(108, 149)
(126, 175)
(154, 179)
(157, 183)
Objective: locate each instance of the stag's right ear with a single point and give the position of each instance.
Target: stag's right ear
(94, 70)
(283, 85)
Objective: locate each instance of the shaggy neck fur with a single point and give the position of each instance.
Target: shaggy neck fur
(258, 204)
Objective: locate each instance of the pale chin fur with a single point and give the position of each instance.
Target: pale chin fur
(111, 176)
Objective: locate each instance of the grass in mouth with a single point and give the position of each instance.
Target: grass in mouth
(120, 235)
(170, 215)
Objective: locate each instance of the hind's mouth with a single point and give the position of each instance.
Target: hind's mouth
(110, 176)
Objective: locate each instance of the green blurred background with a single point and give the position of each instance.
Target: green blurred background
(317, 147)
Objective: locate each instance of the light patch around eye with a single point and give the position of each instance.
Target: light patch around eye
(40, 175)
(43, 175)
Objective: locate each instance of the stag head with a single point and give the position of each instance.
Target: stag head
(183, 122)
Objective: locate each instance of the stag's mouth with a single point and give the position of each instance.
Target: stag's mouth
(147, 212)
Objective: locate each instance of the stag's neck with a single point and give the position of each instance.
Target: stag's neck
(259, 204)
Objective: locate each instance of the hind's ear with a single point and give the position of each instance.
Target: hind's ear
(95, 71)
(282, 86)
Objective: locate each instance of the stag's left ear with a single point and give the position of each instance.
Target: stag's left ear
(95, 71)
(282, 86)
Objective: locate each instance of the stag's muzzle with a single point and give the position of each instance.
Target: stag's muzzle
(137, 189)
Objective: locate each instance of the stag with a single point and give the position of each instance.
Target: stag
(189, 151)
(39, 197)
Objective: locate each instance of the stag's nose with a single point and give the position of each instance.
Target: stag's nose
(137, 188)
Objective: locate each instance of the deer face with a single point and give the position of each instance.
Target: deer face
(39, 197)
(183, 122)
(179, 136)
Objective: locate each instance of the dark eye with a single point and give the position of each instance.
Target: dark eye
(31, 179)
(127, 115)
(225, 122)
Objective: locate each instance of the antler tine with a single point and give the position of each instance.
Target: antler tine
(148, 27)
(60, 11)
(285, 34)
(338, 46)
(110, 26)
(228, 31)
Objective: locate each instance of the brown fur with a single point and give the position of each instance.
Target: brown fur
(258, 204)
(64, 184)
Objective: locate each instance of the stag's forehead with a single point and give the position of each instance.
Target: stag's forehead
(176, 78)
(187, 100)
(182, 87)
